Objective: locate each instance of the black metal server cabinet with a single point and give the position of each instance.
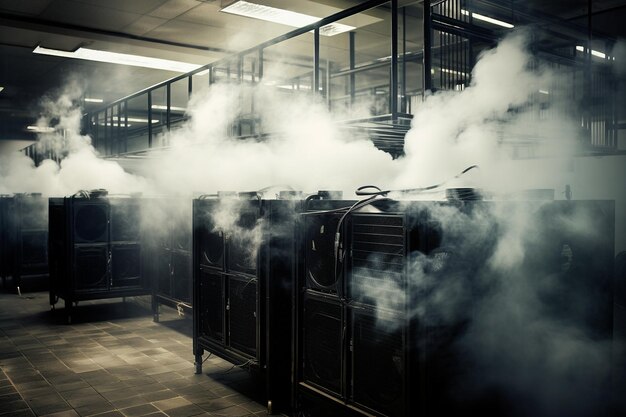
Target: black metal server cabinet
(5, 257)
(95, 249)
(347, 362)
(170, 245)
(357, 355)
(243, 287)
(24, 241)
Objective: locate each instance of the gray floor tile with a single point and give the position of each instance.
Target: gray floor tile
(115, 413)
(234, 411)
(120, 394)
(217, 404)
(10, 406)
(153, 396)
(103, 367)
(139, 410)
(68, 413)
(171, 403)
(72, 386)
(79, 393)
(19, 413)
(185, 411)
(128, 402)
(10, 389)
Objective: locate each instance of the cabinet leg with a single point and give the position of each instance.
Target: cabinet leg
(198, 363)
(68, 311)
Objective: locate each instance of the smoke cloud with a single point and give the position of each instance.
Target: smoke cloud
(491, 119)
(81, 169)
(306, 150)
(489, 280)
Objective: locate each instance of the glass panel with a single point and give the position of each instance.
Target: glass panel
(200, 81)
(451, 61)
(356, 65)
(159, 135)
(410, 59)
(251, 68)
(137, 138)
(123, 129)
(159, 116)
(179, 93)
(93, 129)
(114, 123)
(100, 144)
(226, 71)
(288, 66)
(248, 124)
(159, 105)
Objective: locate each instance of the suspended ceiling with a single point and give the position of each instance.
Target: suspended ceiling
(193, 31)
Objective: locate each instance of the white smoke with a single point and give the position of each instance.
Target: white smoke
(305, 151)
(239, 221)
(511, 323)
(481, 125)
(521, 291)
(81, 169)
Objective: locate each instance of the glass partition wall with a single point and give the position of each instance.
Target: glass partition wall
(372, 65)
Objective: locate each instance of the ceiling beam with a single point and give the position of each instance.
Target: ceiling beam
(69, 29)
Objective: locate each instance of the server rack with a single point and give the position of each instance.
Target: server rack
(243, 287)
(24, 241)
(31, 240)
(343, 353)
(170, 252)
(95, 249)
(5, 256)
(356, 355)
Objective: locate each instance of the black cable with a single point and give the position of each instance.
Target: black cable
(265, 189)
(361, 190)
(356, 206)
(337, 210)
(248, 362)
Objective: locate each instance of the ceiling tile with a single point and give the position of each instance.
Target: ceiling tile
(30, 7)
(88, 15)
(132, 6)
(173, 8)
(206, 14)
(235, 37)
(144, 25)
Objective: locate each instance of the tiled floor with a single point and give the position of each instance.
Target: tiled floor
(112, 361)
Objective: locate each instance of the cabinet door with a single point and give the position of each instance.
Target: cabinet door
(211, 308)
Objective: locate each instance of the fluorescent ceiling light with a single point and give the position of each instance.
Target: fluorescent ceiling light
(283, 17)
(594, 53)
(94, 100)
(40, 129)
(449, 71)
(546, 92)
(1, 88)
(488, 19)
(138, 120)
(114, 124)
(118, 58)
(161, 107)
(130, 119)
